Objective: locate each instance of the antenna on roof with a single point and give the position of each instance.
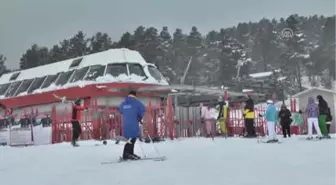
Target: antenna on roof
(186, 71)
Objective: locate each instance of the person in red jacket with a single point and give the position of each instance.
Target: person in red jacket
(76, 127)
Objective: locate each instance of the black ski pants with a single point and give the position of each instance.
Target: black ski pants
(250, 129)
(76, 130)
(129, 148)
(286, 129)
(328, 128)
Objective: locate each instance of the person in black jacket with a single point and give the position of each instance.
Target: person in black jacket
(323, 112)
(285, 120)
(329, 119)
(249, 116)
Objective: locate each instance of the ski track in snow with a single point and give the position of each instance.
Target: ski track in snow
(197, 161)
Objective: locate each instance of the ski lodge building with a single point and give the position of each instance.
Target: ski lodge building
(102, 80)
(83, 77)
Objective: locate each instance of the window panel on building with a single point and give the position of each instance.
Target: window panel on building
(12, 88)
(137, 69)
(116, 69)
(64, 78)
(14, 76)
(24, 86)
(36, 84)
(76, 62)
(50, 79)
(95, 72)
(4, 88)
(79, 74)
(155, 73)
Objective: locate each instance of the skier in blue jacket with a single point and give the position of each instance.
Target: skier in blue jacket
(132, 111)
(271, 117)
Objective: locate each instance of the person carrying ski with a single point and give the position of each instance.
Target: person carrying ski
(249, 117)
(76, 115)
(221, 118)
(271, 117)
(329, 119)
(323, 112)
(285, 120)
(312, 111)
(132, 111)
(207, 119)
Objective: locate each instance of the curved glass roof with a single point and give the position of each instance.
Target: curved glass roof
(113, 72)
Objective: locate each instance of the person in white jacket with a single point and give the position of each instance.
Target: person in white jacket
(207, 119)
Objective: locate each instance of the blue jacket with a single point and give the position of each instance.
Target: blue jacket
(132, 111)
(271, 113)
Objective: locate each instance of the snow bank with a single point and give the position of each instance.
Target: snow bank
(226, 161)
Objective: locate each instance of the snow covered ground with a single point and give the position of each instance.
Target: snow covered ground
(194, 161)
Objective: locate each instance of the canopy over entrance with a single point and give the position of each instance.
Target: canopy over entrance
(187, 95)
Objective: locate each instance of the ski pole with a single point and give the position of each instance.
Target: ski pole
(157, 152)
(143, 151)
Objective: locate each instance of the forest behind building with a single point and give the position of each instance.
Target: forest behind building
(220, 57)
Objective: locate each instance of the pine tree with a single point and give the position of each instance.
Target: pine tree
(34, 56)
(79, 45)
(100, 42)
(222, 57)
(265, 44)
(3, 68)
(126, 41)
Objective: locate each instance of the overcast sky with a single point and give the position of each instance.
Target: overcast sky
(46, 22)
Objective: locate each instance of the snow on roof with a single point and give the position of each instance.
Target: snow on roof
(261, 74)
(247, 90)
(314, 88)
(102, 58)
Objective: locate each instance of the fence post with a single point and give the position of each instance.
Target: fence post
(170, 117)
(149, 118)
(54, 130)
(95, 120)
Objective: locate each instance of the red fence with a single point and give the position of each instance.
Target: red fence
(161, 121)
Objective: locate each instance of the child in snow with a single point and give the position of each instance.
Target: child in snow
(271, 117)
(285, 120)
(206, 116)
(312, 112)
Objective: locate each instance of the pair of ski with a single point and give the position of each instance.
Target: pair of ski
(262, 141)
(315, 139)
(121, 160)
(268, 142)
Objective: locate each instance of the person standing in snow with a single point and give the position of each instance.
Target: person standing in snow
(323, 112)
(132, 111)
(76, 127)
(285, 120)
(312, 111)
(271, 117)
(221, 118)
(329, 119)
(249, 116)
(207, 119)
